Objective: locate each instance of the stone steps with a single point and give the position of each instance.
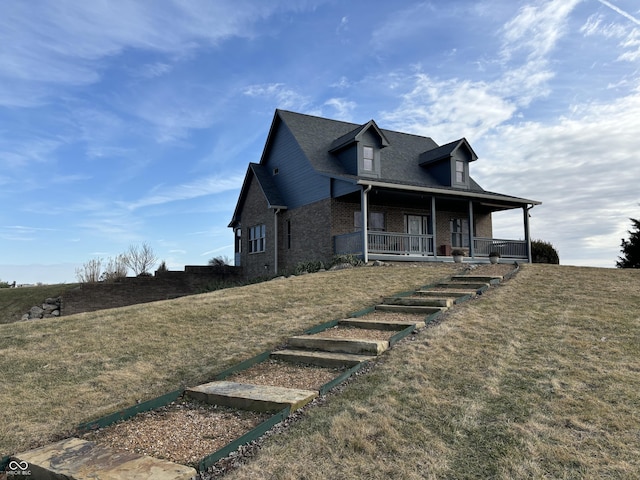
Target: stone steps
(464, 285)
(418, 301)
(409, 309)
(491, 279)
(376, 324)
(339, 345)
(321, 359)
(244, 396)
(77, 459)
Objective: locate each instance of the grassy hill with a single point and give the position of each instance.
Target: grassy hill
(537, 379)
(15, 302)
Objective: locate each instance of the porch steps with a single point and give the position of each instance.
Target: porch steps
(77, 459)
(245, 396)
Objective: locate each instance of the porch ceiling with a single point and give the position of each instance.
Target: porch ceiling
(407, 198)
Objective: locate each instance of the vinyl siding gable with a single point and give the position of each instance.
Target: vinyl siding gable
(293, 175)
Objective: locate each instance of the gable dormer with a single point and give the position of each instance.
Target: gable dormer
(359, 150)
(449, 164)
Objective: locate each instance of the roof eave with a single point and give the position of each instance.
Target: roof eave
(450, 193)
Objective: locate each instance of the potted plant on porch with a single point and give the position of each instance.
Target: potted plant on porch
(494, 257)
(457, 255)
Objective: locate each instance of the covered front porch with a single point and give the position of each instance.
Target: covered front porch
(409, 247)
(417, 224)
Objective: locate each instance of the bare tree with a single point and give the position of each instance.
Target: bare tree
(90, 271)
(140, 258)
(115, 268)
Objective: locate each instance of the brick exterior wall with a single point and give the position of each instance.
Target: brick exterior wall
(303, 235)
(255, 212)
(309, 239)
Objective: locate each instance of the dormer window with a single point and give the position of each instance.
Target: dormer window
(460, 177)
(367, 159)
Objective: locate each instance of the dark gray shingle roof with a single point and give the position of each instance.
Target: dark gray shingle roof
(400, 160)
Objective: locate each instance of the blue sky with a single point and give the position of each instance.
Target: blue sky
(125, 122)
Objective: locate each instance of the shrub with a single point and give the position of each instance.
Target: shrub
(221, 261)
(308, 267)
(90, 271)
(4, 284)
(163, 267)
(114, 269)
(543, 252)
(347, 258)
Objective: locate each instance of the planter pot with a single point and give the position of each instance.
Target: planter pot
(494, 260)
(458, 258)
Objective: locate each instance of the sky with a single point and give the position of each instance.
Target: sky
(130, 122)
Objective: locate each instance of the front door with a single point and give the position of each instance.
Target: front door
(417, 226)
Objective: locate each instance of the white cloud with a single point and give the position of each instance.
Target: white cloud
(343, 107)
(69, 43)
(285, 97)
(583, 168)
(201, 187)
(444, 109)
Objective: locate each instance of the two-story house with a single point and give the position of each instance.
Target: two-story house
(325, 187)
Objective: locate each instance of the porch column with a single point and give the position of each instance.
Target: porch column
(527, 237)
(471, 249)
(364, 208)
(433, 226)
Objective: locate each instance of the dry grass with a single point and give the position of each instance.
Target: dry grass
(540, 378)
(58, 373)
(15, 302)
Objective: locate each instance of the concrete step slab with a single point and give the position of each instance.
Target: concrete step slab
(244, 396)
(410, 309)
(77, 459)
(321, 359)
(380, 323)
(418, 301)
(341, 345)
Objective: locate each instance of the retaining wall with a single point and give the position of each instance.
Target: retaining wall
(89, 297)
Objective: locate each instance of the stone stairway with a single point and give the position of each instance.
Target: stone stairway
(78, 459)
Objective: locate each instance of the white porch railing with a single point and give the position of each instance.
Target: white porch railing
(507, 248)
(384, 243)
(389, 243)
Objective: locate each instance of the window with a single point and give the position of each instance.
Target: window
(367, 159)
(460, 232)
(256, 239)
(376, 221)
(460, 172)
